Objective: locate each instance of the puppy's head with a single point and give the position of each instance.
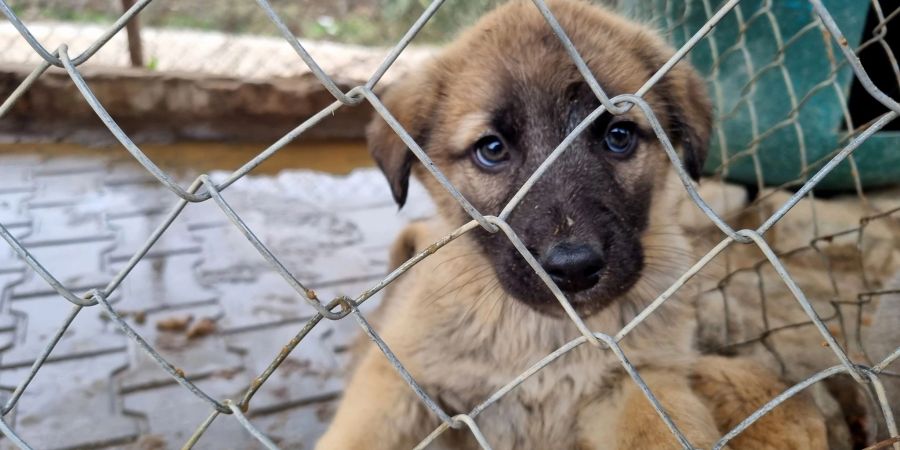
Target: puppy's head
(494, 104)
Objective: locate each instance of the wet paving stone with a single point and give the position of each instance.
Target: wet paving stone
(71, 404)
(17, 171)
(78, 265)
(203, 297)
(135, 230)
(169, 414)
(65, 224)
(13, 211)
(162, 282)
(67, 180)
(41, 318)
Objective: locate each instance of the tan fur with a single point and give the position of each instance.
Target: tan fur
(734, 388)
(462, 337)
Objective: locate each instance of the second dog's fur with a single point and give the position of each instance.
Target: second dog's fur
(473, 316)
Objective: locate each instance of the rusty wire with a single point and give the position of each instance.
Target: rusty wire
(203, 189)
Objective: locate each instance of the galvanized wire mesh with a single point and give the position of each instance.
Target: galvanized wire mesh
(203, 189)
(231, 38)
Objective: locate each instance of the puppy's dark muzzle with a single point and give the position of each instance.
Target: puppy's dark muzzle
(573, 267)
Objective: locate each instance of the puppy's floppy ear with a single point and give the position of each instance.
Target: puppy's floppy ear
(690, 117)
(412, 102)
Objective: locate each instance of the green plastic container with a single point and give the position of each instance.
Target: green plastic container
(780, 88)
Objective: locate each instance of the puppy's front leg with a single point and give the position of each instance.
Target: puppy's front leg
(640, 426)
(627, 419)
(379, 411)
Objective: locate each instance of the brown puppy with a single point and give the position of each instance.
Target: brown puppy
(472, 317)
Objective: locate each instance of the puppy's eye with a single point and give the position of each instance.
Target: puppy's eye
(490, 153)
(620, 138)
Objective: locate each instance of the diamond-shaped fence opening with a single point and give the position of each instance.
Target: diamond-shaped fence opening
(799, 116)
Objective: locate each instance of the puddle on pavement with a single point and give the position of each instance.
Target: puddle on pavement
(334, 156)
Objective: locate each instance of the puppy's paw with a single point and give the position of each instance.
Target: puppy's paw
(735, 388)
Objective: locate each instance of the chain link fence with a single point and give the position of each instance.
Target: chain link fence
(770, 206)
(231, 38)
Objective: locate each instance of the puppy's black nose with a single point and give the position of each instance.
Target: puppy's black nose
(574, 267)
